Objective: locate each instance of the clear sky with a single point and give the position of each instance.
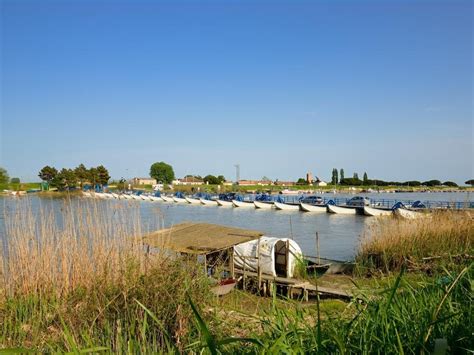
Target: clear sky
(281, 87)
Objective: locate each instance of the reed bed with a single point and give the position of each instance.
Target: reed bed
(443, 238)
(80, 277)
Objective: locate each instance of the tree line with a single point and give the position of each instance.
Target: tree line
(338, 178)
(164, 173)
(66, 179)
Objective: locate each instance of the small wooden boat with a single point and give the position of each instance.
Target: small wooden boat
(208, 202)
(193, 201)
(287, 206)
(313, 208)
(223, 203)
(247, 204)
(266, 205)
(223, 287)
(341, 209)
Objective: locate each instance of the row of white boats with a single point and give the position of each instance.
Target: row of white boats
(305, 207)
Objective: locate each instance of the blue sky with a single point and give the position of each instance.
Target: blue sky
(280, 87)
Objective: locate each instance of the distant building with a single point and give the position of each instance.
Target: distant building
(320, 182)
(143, 181)
(254, 182)
(188, 180)
(228, 183)
(309, 178)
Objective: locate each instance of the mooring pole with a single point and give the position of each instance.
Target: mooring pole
(259, 270)
(317, 246)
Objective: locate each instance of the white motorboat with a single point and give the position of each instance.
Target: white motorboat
(287, 206)
(373, 211)
(136, 197)
(341, 209)
(146, 198)
(127, 197)
(156, 199)
(193, 201)
(223, 203)
(265, 205)
(115, 195)
(243, 203)
(167, 198)
(313, 208)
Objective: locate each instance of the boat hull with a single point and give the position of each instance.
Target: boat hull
(286, 207)
(263, 205)
(193, 201)
(376, 212)
(313, 208)
(167, 199)
(208, 202)
(223, 203)
(341, 210)
(404, 213)
(156, 199)
(243, 204)
(179, 200)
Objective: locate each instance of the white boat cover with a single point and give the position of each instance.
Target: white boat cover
(272, 252)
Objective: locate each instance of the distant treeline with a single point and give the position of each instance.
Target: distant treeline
(66, 179)
(338, 178)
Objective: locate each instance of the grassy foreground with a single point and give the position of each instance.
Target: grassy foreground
(81, 281)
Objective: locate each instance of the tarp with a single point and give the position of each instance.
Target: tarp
(247, 252)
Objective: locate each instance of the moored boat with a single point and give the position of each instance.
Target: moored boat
(405, 213)
(287, 206)
(179, 199)
(156, 198)
(167, 198)
(374, 211)
(224, 203)
(208, 202)
(313, 208)
(238, 203)
(263, 204)
(193, 201)
(341, 209)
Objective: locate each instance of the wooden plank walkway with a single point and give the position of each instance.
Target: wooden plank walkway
(298, 286)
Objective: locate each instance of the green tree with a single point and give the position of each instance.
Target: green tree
(356, 176)
(48, 173)
(211, 179)
(93, 176)
(365, 178)
(15, 180)
(221, 179)
(470, 182)
(341, 175)
(82, 174)
(432, 183)
(103, 175)
(301, 181)
(450, 184)
(162, 172)
(4, 178)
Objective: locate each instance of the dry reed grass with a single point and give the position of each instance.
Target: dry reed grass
(83, 268)
(443, 237)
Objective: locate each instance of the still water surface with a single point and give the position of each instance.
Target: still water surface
(338, 234)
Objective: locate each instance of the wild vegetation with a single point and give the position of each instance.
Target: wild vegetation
(441, 239)
(80, 280)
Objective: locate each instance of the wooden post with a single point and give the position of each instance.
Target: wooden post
(232, 265)
(205, 264)
(245, 274)
(259, 270)
(287, 257)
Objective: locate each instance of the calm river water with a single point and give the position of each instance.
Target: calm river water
(338, 234)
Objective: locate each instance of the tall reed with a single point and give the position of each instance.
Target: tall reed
(439, 239)
(72, 278)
